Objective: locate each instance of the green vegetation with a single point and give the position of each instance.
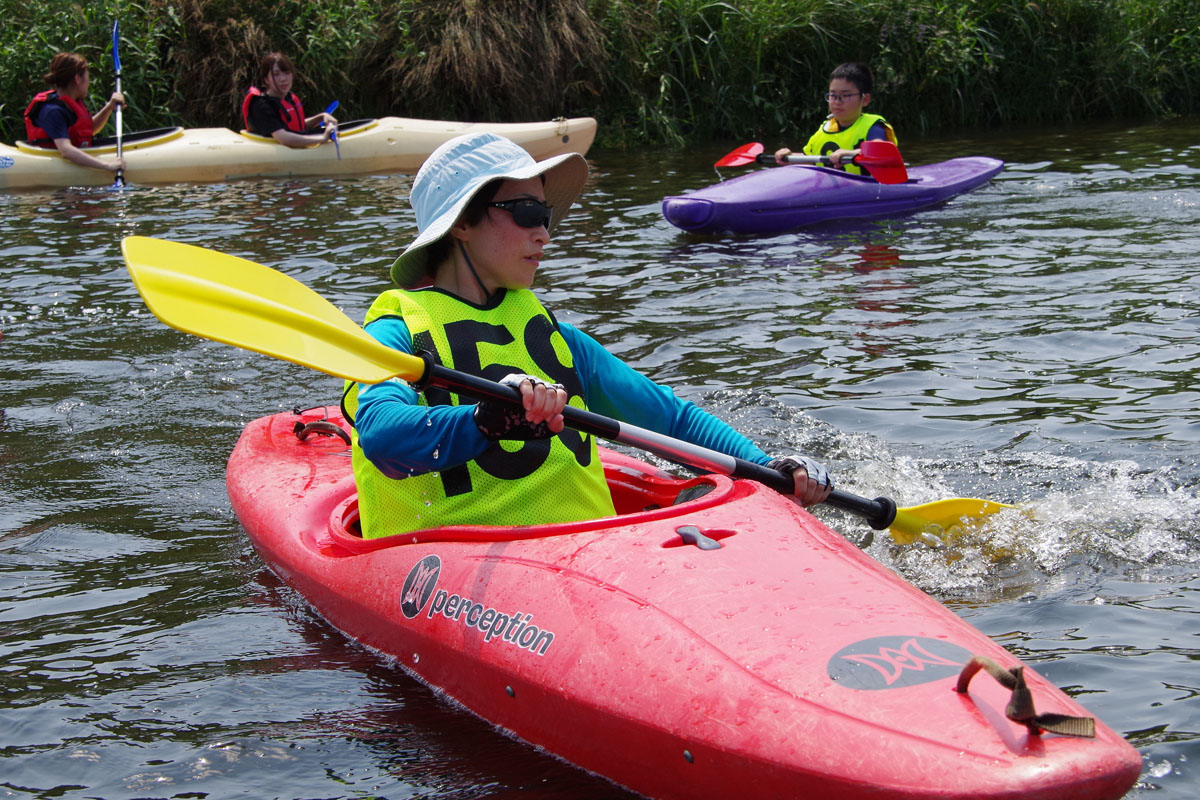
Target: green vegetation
(669, 71)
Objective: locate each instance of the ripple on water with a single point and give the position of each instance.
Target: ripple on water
(1032, 342)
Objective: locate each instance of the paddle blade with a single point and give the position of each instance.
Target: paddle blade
(746, 154)
(882, 160)
(938, 520)
(116, 54)
(228, 299)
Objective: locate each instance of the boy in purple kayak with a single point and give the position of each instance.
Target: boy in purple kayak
(847, 126)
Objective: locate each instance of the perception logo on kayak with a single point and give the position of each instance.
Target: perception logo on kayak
(891, 662)
(514, 628)
(419, 584)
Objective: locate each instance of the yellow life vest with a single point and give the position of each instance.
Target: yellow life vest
(559, 479)
(832, 136)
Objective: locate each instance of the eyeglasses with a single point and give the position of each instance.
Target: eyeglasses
(841, 98)
(526, 212)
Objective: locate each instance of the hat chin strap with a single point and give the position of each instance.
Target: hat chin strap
(462, 249)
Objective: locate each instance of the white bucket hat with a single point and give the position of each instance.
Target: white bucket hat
(458, 169)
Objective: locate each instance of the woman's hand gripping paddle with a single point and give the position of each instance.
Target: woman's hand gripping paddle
(227, 299)
(879, 158)
(333, 137)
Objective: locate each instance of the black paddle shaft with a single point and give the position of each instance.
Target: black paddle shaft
(878, 513)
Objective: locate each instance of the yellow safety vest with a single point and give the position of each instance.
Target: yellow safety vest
(536, 482)
(831, 136)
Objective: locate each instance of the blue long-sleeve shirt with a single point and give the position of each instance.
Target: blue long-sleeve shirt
(439, 437)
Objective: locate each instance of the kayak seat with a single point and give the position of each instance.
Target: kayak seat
(638, 486)
(692, 492)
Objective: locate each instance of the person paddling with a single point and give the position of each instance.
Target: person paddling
(847, 125)
(58, 118)
(274, 110)
(485, 210)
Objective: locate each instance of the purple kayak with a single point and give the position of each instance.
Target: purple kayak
(782, 198)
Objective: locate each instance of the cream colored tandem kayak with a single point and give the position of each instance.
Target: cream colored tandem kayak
(178, 155)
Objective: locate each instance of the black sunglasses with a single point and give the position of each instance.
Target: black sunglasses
(526, 212)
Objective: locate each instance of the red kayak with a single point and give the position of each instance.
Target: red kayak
(714, 640)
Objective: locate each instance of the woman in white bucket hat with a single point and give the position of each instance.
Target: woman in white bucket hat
(485, 210)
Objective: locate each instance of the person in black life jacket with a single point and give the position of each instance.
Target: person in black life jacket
(275, 111)
(58, 118)
(847, 125)
(485, 211)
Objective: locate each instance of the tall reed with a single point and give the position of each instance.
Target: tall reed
(670, 71)
(511, 60)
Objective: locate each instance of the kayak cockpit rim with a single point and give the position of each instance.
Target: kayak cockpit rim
(841, 173)
(638, 496)
(107, 145)
(344, 130)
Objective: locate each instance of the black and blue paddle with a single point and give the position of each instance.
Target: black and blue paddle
(116, 56)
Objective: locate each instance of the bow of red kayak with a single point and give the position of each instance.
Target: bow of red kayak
(713, 640)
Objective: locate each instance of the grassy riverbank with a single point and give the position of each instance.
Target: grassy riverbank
(671, 71)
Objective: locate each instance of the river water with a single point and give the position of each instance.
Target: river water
(1036, 342)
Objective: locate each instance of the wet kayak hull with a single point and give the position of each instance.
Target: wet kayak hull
(781, 662)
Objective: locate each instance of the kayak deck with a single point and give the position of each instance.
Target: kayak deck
(777, 199)
(716, 644)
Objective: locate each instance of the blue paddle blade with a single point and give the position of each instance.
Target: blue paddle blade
(116, 50)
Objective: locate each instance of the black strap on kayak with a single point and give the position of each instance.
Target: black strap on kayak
(1020, 708)
(320, 426)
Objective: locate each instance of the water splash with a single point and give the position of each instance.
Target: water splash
(1073, 513)
(1115, 516)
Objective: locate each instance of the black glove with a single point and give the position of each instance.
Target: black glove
(788, 464)
(498, 421)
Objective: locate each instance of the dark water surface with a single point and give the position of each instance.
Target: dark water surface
(1035, 342)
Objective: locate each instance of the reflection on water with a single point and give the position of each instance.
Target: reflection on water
(1033, 342)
